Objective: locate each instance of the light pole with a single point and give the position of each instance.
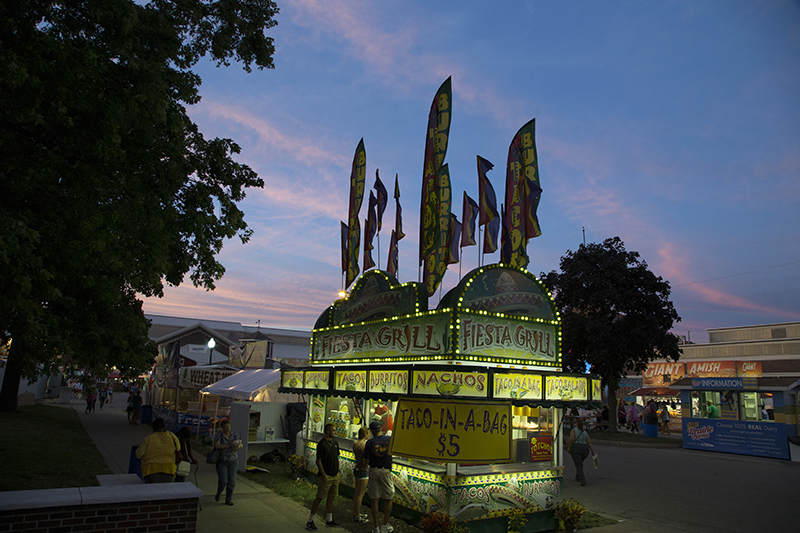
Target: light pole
(211, 344)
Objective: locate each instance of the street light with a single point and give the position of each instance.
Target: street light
(211, 344)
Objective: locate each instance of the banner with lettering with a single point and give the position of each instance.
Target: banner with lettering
(541, 449)
(388, 381)
(478, 497)
(350, 380)
(449, 383)
(453, 431)
(662, 374)
(764, 439)
(711, 369)
(317, 379)
(748, 369)
(415, 336)
(597, 390)
(508, 338)
(517, 386)
(292, 379)
(566, 388)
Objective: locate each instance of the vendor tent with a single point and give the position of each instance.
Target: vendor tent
(255, 385)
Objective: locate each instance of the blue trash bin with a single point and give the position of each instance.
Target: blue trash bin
(147, 414)
(135, 464)
(650, 431)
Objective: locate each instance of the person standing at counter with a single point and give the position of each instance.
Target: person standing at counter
(713, 410)
(381, 484)
(328, 477)
(361, 475)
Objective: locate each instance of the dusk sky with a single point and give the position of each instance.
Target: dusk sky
(673, 125)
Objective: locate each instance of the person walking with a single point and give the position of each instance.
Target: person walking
(361, 476)
(157, 452)
(633, 416)
(579, 445)
(90, 398)
(129, 408)
(665, 418)
(136, 406)
(381, 484)
(103, 395)
(229, 445)
(327, 477)
(622, 415)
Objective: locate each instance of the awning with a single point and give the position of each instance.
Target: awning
(245, 384)
(655, 391)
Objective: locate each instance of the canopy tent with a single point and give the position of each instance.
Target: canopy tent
(255, 385)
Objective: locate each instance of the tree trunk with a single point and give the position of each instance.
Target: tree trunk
(612, 406)
(13, 373)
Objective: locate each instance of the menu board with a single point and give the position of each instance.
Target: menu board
(388, 381)
(292, 379)
(518, 386)
(450, 384)
(317, 379)
(567, 388)
(453, 430)
(350, 380)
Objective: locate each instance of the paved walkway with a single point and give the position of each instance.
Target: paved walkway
(256, 509)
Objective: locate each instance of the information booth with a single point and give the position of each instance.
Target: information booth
(471, 393)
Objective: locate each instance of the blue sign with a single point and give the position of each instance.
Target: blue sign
(717, 383)
(765, 439)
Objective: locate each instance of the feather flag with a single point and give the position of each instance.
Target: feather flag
(469, 212)
(357, 182)
(454, 238)
(490, 236)
(522, 197)
(383, 197)
(486, 195)
(398, 212)
(435, 149)
(344, 247)
(370, 228)
(391, 263)
(435, 264)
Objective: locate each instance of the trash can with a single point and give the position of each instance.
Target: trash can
(147, 414)
(650, 431)
(135, 464)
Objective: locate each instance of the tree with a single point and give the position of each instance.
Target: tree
(616, 314)
(107, 189)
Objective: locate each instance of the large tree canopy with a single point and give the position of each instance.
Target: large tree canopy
(616, 314)
(107, 188)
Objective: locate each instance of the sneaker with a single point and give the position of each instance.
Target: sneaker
(332, 523)
(387, 528)
(311, 526)
(361, 519)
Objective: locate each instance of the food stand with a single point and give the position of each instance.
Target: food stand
(472, 393)
(729, 407)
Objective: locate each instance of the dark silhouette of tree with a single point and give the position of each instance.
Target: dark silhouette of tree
(107, 189)
(616, 314)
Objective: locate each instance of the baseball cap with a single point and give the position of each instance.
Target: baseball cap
(375, 425)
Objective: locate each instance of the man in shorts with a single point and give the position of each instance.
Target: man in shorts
(328, 479)
(381, 484)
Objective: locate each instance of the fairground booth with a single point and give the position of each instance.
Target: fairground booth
(472, 393)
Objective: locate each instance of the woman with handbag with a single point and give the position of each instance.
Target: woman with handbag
(228, 444)
(578, 446)
(157, 452)
(184, 457)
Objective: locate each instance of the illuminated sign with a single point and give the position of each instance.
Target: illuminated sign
(508, 338)
(711, 369)
(662, 374)
(351, 380)
(292, 379)
(417, 336)
(388, 381)
(448, 383)
(597, 390)
(453, 431)
(748, 369)
(518, 386)
(317, 379)
(566, 388)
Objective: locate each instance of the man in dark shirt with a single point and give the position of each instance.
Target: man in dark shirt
(328, 478)
(381, 484)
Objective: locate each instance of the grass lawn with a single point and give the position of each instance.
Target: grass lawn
(45, 447)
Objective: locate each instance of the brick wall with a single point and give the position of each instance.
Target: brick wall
(129, 509)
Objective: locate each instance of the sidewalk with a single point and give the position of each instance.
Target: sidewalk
(255, 508)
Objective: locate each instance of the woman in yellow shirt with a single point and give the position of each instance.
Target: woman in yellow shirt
(157, 452)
